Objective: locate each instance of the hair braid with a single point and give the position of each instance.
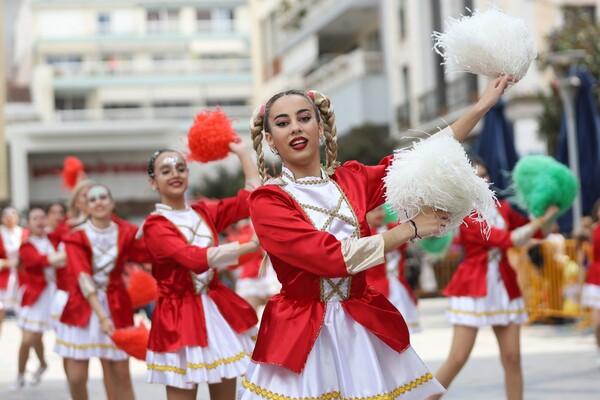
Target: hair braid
(329, 129)
(256, 133)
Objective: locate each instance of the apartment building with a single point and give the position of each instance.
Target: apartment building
(374, 58)
(113, 80)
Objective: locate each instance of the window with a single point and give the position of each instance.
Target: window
(104, 23)
(162, 21)
(402, 19)
(69, 103)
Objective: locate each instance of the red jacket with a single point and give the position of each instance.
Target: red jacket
(33, 263)
(178, 318)
(5, 272)
(593, 275)
(301, 255)
(77, 311)
(470, 277)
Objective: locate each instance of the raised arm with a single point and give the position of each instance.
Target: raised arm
(465, 124)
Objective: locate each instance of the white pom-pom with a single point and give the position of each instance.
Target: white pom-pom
(436, 172)
(488, 43)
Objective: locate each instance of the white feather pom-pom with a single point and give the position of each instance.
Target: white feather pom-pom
(436, 172)
(489, 43)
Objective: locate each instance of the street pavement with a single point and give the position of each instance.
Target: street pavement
(559, 363)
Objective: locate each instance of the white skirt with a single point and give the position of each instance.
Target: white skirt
(226, 356)
(264, 286)
(590, 297)
(9, 297)
(36, 318)
(495, 308)
(346, 362)
(84, 343)
(58, 304)
(401, 299)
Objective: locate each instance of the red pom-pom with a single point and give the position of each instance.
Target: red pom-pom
(132, 341)
(141, 287)
(73, 170)
(243, 234)
(210, 135)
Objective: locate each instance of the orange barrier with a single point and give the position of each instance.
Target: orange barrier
(550, 290)
(553, 289)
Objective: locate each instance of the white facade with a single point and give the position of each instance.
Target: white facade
(113, 81)
(374, 58)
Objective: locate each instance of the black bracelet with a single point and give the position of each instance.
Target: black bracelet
(412, 223)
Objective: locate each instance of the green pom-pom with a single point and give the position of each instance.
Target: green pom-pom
(541, 181)
(391, 216)
(436, 246)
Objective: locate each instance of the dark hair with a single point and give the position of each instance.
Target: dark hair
(61, 205)
(595, 209)
(32, 209)
(476, 160)
(153, 158)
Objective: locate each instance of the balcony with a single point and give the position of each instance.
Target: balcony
(152, 67)
(335, 71)
(458, 94)
(335, 21)
(237, 114)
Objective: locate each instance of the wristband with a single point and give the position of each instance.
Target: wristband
(414, 226)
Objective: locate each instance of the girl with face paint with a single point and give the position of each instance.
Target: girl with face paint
(201, 330)
(97, 251)
(39, 256)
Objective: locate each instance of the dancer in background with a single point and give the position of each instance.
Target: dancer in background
(11, 237)
(98, 304)
(201, 330)
(591, 288)
(39, 257)
(55, 214)
(484, 292)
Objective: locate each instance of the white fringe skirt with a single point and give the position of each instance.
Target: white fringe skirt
(401, 299)
(36, 318)
(226, 356)
(84, 343)
(590, 296)
(346, 362)
(495, 308)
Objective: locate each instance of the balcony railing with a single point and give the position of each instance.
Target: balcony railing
(334, 71)
(152, 67)
(162, 27)
(239, 113)
(459, 94)
(217, 25)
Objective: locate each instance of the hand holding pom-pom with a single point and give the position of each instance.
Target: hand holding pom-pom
(210, 136)
(73, 171)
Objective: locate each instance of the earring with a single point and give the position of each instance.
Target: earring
(274, 151)
(154, 188)
(321, 140)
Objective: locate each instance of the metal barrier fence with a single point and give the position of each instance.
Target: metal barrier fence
(551, 289)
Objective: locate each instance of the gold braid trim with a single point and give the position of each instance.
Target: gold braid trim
(400, 390)
(86, 346)
(480, 314)
(212, 365)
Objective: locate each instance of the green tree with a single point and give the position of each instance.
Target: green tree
(367, 144)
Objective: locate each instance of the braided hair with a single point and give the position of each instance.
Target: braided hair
(324, 113)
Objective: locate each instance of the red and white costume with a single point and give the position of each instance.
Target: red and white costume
(96, 258)
(484, 289)
(328, 334)
(10, 278)
(64, 278)
(591, 289)
(252, 283)
(401, 293)
(40, 286)
(201, 330)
